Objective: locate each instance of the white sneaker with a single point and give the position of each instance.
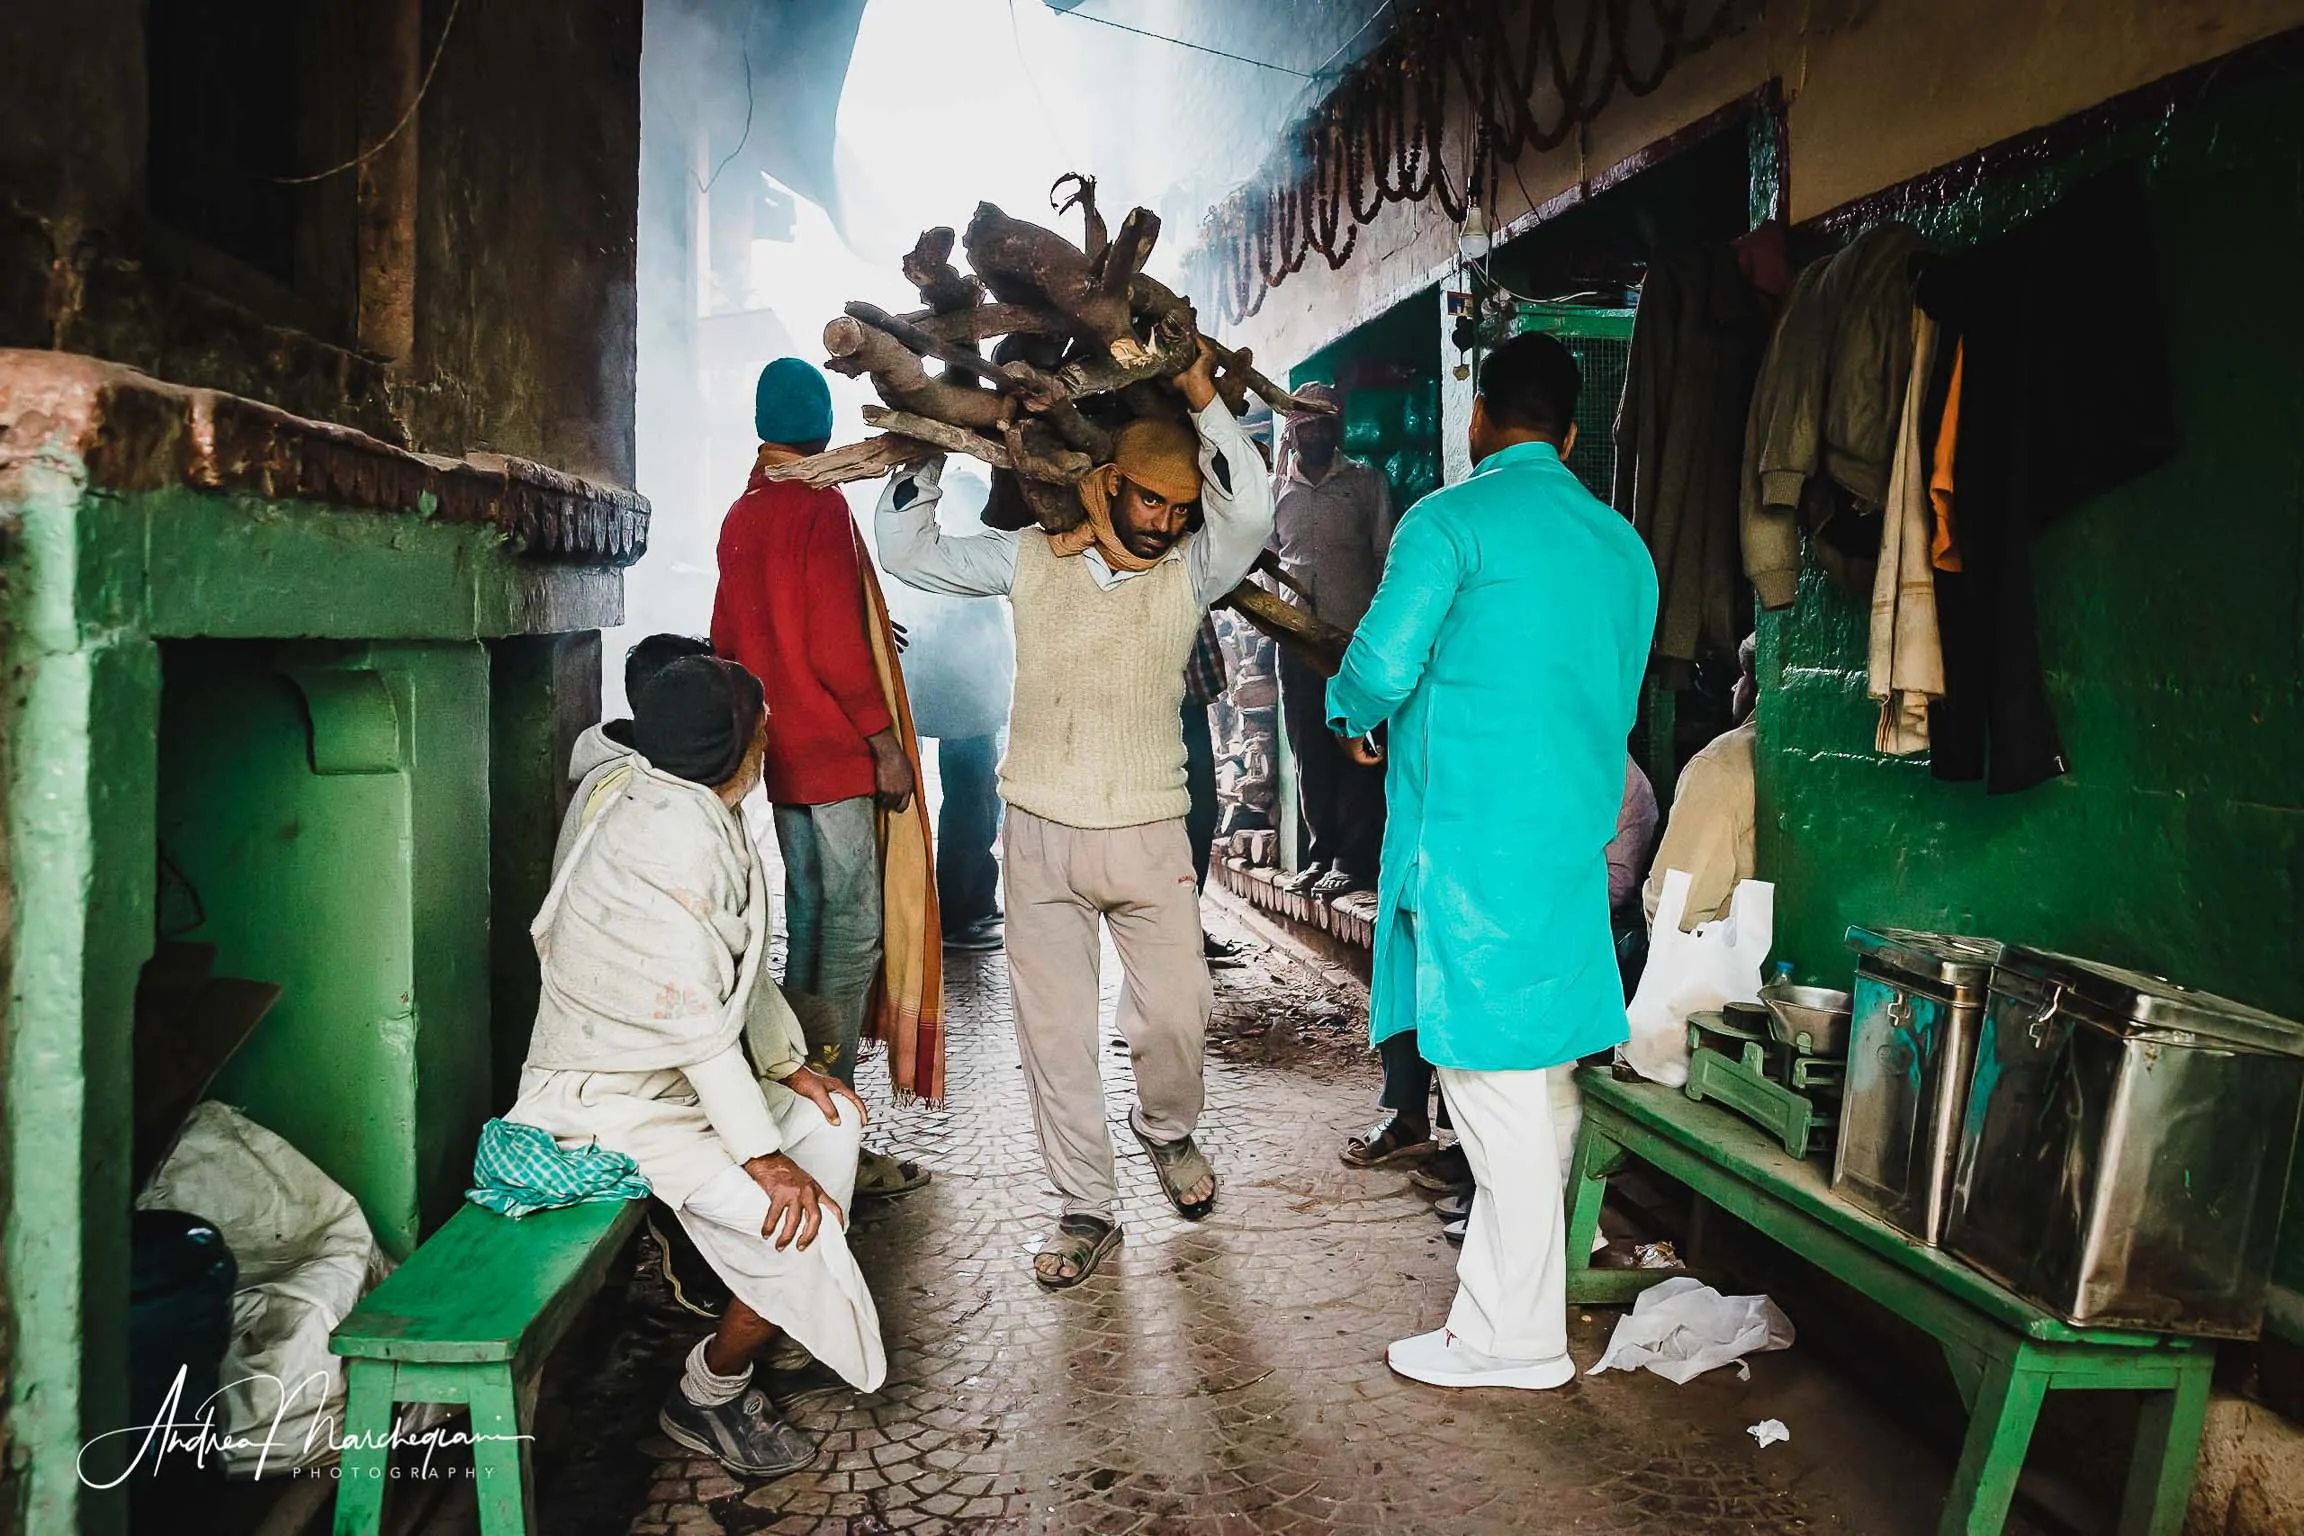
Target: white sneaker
(1440, 1359)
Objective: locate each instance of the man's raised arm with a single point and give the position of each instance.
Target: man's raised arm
(918, 553)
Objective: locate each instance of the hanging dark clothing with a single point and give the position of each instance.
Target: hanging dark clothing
(2065, 393)
(1696, 347)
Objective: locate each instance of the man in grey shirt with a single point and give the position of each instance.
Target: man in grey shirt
(1332, 525)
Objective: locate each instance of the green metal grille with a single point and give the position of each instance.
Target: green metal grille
(1601, 341)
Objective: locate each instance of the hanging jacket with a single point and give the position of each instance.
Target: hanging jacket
(1696, 346)
(1822, 430)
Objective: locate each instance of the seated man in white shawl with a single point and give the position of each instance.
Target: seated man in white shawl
(659, 1036)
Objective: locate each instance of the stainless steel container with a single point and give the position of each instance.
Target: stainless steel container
(1919, 1000)
(2125, 1150)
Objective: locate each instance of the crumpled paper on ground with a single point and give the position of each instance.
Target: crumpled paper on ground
(1769, 1432)
(1683, 1328)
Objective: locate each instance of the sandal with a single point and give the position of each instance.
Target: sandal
(1081, 1243)
(1446, 1173)
(879, 1174)
(1383, 1145)
(1179, 1165)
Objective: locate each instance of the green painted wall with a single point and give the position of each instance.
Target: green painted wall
(2172, 627)
(374, 764)
(544, 690)
(333, 819)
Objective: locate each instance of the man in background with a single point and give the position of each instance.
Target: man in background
(1332, 522)
(1710, 831)
(959, 666)
(790, 609)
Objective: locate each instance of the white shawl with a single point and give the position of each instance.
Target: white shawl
(652, 936)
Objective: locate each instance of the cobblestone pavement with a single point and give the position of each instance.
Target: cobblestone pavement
(1219, 1377)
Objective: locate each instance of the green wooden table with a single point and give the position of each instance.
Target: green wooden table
(469, 1319)
(2006, 1354)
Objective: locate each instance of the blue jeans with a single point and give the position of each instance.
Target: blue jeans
(1200, 780)
(967, 876)
(832, 921)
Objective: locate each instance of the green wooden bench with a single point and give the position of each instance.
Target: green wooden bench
(469, 1319)
(2006, 1354)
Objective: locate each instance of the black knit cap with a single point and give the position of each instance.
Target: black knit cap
(694, 718)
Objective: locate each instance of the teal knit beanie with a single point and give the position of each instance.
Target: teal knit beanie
(792, 404)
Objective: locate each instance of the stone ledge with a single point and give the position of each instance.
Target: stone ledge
(131, 432)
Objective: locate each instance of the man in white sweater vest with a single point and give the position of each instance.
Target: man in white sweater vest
(1095, 786)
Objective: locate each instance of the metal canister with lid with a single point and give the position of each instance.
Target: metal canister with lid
(2125, 1151)
(1919, 1000)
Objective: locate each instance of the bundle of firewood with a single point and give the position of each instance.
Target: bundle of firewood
(1083, 342)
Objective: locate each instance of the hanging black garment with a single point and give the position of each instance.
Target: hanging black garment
(1696, 347)
(2064, 394)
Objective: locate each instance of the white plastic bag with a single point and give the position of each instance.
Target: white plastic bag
(1689, 972)
(1683, 1328)
(306, 1257)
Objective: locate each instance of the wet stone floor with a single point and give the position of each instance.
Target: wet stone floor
(1220, 1377)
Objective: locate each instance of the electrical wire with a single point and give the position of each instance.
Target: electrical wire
(1024, 67)
(406, 117)
(751, 103)
(1162, 37)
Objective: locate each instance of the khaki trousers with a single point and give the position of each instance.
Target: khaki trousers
(1138, 880)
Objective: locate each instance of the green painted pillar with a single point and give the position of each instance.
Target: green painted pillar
(80, 716)
(544, 692)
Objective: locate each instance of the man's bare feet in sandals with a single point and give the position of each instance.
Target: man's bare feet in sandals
(1186, 1176)
(1073, 1252)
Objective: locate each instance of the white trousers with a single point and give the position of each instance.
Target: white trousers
(1512, 1279)
(818, 1296)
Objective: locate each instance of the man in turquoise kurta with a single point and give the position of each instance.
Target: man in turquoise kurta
(1503, 657)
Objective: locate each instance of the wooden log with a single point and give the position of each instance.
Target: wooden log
(1268, 564)
(1151, 299)
(866, 460)
(1040, 461)
(1084, 198)
(900, 378)
(1046, 398)
(1317, 643)
(1124, 258)
(1172, 350)
(925, 343)
(988, 320)
(1023, 263)
(942, 286)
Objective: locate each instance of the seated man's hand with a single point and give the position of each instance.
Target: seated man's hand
(796, 1202)
(821, 1088)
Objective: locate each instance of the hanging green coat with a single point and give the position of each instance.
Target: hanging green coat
(1504, 653)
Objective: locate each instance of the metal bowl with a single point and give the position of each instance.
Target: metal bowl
(1809, 1019)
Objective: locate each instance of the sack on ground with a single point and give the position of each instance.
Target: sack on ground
(306, 1258)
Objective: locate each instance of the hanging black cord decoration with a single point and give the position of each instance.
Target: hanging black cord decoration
(1381, 135)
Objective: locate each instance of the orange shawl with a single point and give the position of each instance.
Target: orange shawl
(907, 1009)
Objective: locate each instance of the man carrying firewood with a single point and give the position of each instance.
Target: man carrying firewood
(1094, 780)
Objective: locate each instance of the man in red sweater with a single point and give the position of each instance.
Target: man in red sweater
(790, 610)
